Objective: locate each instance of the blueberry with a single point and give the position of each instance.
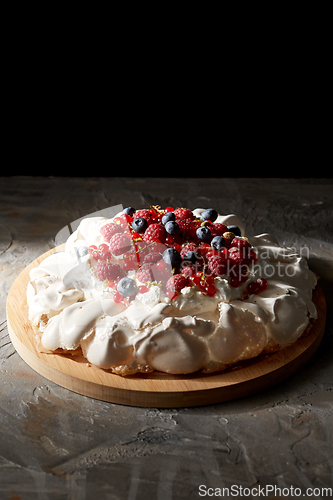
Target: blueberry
(169, 216)
(209, 214)
(127, 287)
(82, 251)
(139, 225)
(191, 256)
(172, 227)
(172, 256)
(218, 243)
(235, 230)
(129, 211)
(204, 234)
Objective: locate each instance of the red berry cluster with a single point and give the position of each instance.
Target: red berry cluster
(198, 263)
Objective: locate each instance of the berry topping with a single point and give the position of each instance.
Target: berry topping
(130, 262)
(169, 216)
(173, 249)
(218, 229)
(94, 252)
(109, 230)
(145, 274)
(145, 214)
(172, 227)
(118, 298)
(102, 252)
(235, 230)
(203, 248)
(120, 243)
(107, 271)
(172, 257)
(217, 265)
(175, 284)
(123, 221)
(204, 283)
(218, 242)
(162, 272)
(187, 228)
(188, 269)
(229, 236)
(235, 256)
(190, 256)
(127, 287)
(184, 213)
(240, 243)
(155, 232)
(209, 214)
(204, 233)
(82, 251)
(139, 225)
(187, 248)
(129, 211)
(152, 257)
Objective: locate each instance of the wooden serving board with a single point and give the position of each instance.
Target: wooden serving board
(156, 389)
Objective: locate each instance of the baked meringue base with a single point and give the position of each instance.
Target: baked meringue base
(73, 312)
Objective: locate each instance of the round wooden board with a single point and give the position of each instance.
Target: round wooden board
(156, 389)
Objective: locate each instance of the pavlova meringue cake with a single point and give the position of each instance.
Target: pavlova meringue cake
(172, 290)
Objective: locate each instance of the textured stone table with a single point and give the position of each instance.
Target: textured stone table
(55, 444)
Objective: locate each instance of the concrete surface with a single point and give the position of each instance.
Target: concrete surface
(55, 444)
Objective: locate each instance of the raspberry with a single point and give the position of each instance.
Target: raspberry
(152, 258)
(190, 247)
(175, 284)
(130, 262)
(223, 253)
(120, 243)
(145, 214)
(109, 230)
(240, 243)
(187, 228)
(144, 274)
(203, 248)
(235, 256)
(107, 271)
(217, 265)
(245, 249)
(155, 232)
(184, 213)
(217, 229)
(188, 269)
